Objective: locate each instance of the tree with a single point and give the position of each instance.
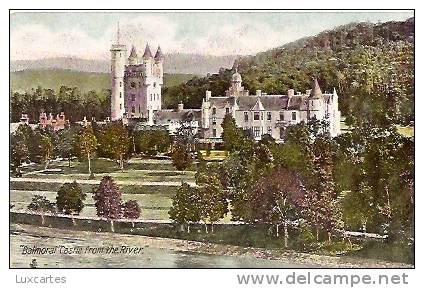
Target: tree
(41, 205)
(70, 199)
(321, 206)
(231, 135)
(107, 199)
(181, 156)
(86, 144)
(213, 201)
(18, 151)
(115, 141)
(186, 206)
(276, 199)
(131, 210)
(46, 148)
(65, 145)
(152, 142)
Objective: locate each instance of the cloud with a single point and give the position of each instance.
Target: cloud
(38, 41)
(223, 35)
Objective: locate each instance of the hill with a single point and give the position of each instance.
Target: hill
(27, 80)
(370, 65)
(173, 64)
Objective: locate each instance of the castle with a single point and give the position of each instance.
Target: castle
(268, 114)
(136, 94)
(136, 86)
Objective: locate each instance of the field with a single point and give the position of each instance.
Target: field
(151, 183)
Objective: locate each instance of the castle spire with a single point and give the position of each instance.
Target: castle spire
(147, 53)
(117, 34)
(316, 90)
(159, 56)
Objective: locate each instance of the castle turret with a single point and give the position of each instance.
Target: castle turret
(118, 56)
(133, 59)
(159, 56)
(316, 102)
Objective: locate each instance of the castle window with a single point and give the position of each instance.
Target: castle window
(256, 116)
(214, 120)
(150, 97)
(246, 116)
(133, 85)
(281, 116)
(132, 97)
(120, 106)
(120, 94)
(269, 130)
(139, 108)
(214, 111)
(133, 109)
(227, 110)
(120, 84)
(154, 84)
(213, 132)
(262, 115)
(293, 116)
(268, 116)
(256, 131)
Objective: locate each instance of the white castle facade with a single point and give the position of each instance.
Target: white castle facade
(268, 114)
(136, 94)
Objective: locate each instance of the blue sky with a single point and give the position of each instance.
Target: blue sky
(36, 35)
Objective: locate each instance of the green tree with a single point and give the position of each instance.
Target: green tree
(86, 145)
(232, 136)
(41, 205)
(66, 145)
(213, 201)
(186, 207)
(276, 199)
(115, 141)
(18, 152)
(70, 199)
(152, 142)
(46, 148)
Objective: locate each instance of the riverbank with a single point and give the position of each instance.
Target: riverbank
(167, 253)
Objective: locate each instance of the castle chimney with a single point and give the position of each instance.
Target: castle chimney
(258, 92)
(208, 95)
(180, 107)
(290, 93)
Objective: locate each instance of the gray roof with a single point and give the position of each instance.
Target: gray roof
(166, 116)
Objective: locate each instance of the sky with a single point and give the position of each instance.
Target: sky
(89, 35)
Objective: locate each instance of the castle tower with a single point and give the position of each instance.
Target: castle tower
(118, 56)
(316, 102)
(153, 81)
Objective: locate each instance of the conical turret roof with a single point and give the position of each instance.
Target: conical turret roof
(147, 52)
(316, 92)
(159, 54)
(133, 53)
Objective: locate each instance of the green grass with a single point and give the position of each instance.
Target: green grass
(395, 252)
(85, 81)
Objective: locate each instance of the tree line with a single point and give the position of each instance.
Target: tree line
(311, 183)
(111, 140)
(70, 201)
